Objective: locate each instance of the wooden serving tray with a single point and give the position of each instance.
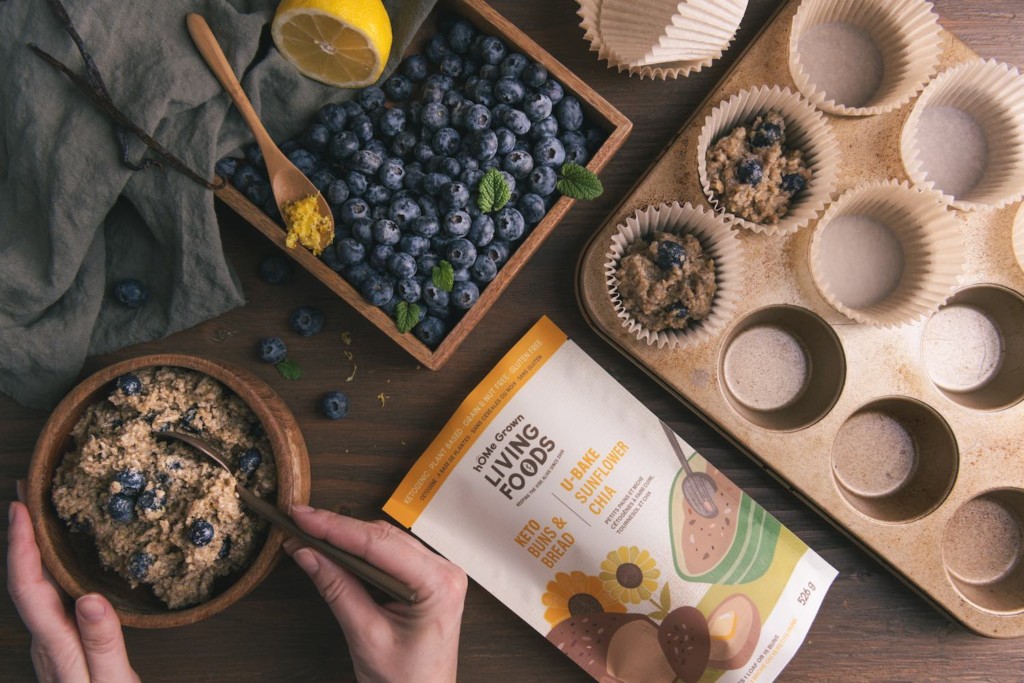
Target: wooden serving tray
(961, 550)
(597, 110)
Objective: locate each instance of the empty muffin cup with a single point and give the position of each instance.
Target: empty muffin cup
(718, 242)
(965, 136)
(983, 550)
(805, 129)
(895, 459)
(589, 11)
(973, 347)
(886, 254)
(1018, 236)
(863, 57)
(782, 368)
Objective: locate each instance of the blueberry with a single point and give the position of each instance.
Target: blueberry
(447, 141)
(403, 210)
(457, 223)
(542, 179)
(392, 173)
(129, 384)
(226, 167)
(402, 265)
(289, 146)
(433, 182)
(766, 136)
(506, 140)
(461, 36)
(518, 164)
(316, 138)
(354, 209)
(307, 321)
(436, 48)
(386, 232)
(244, 175)
(350, 251)
(377, 290)
(304, 161)
(445, 83)
(272, 350)
(461, 252)
(454, 196)
(537, 106)
(513, 65)
(200, 533)
(434, 296)
(488, 72)
(531, 206)
(793, 183)
(464, 295)
(549, 152)
(366, 162)
(131, 481)
(413, 179)
(333, 116)
(430, 331)
(377, 195)
(362, 231)
(188, 420)
(552, 89)
(425, 263)
(358, 274)
(334, 405)
(491, 50)
(393, 121)
(451, 65)
(409, 289)
(432, 92)
(477, 118)
(330, 259)
(497, 251)
(377, 147)
(517, 122)
(352, 109)
(225, 549)
(139, 564)
(130, 293)
(121, 508)
(250, 460)
(471, 178)
(482, 92)
(398, 88)
(509, 180)
(481, 230)
(749, 171)
(321, 181)
(576, 154)
(573, 137)
(509, 224)
(425, 226)
(670, 255)
(356, 182)
(149, 500)
(415, 68)
(428, 207)
(370, 98)
(508, 90)
(534, 75)
(483, 270)
(362, 127)
(569, 113)
(449, 166)
(423, 151)
(403, 144)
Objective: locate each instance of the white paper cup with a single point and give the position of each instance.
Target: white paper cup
(965, 136)
(718, 241)
(863, 57)
(806, 130)
(887, 254)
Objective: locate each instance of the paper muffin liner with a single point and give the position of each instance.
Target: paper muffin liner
(588, 13)
(906, 33)
(647, 32)
(719, 242)
(992, 93)
(806, 130)
(929, 235)
(1018, 236)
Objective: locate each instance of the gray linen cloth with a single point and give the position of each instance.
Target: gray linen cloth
(73, 219)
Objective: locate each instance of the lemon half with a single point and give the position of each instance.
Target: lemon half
(344, 43)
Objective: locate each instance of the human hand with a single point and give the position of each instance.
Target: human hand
(392, 642)
(86, 647)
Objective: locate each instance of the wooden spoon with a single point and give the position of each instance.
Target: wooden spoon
(357, 565)
(287, 182)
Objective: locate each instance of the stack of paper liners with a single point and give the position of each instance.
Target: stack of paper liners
(660, 38)
(1018, 236)
(561, 494)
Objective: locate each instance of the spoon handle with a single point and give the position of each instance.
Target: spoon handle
(672, 439)
(214, 56)
(358, 566)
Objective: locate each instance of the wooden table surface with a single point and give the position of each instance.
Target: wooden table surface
(871, 627)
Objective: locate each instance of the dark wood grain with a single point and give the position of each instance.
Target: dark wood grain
(871, 627)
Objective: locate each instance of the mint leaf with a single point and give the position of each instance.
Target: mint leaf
(493, 191)
(289, 369)
(443, 275)
(579, 183)
(406, 316)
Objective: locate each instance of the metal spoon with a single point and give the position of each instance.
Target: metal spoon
(698, 487)
(357, 565)
(287, 182)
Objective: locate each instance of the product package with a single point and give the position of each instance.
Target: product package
(562, 495)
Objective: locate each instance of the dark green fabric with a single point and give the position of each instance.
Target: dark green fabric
(73, 219)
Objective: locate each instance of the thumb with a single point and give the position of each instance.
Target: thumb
(352, 606)
(102, 640)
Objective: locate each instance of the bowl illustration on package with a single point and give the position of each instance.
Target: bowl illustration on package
(734, 546)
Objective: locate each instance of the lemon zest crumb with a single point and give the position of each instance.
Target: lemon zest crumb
(306, 225)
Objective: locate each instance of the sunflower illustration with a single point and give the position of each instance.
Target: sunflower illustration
(573, 594)
(629, 574)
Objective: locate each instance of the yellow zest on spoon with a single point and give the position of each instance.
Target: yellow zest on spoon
(344, 43)
(306, 226)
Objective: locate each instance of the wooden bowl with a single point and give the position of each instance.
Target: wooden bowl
(72, 559)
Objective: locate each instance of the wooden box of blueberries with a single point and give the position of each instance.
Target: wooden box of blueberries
(856, 180)
(587, 129)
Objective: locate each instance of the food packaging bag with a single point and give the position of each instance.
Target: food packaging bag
(561, 494)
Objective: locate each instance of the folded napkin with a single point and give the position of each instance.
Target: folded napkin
(74, 219)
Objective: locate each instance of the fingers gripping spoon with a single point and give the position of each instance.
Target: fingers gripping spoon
(287, 182)
(698, 487)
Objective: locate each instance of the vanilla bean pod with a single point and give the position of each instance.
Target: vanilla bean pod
(107, 106)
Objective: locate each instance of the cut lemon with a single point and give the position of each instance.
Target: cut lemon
(344, 43)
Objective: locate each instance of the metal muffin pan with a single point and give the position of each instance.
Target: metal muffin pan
(909, 438)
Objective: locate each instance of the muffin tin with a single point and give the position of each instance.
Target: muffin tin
(907, 434)
(598, 111)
